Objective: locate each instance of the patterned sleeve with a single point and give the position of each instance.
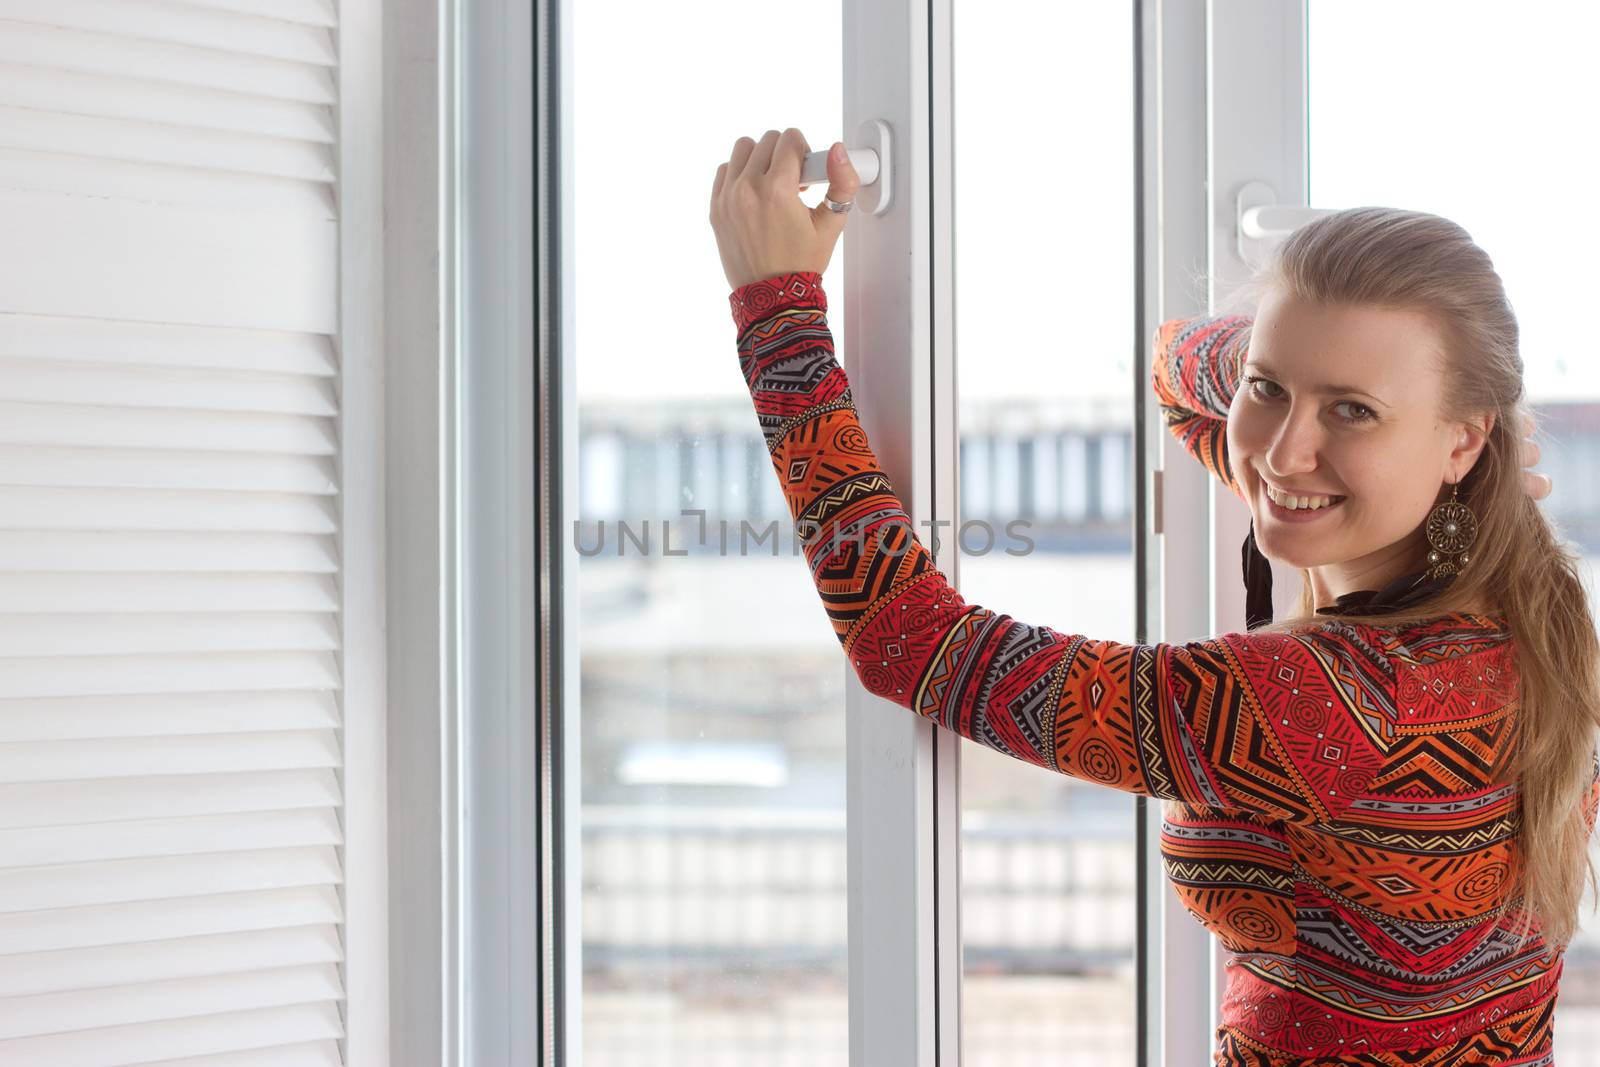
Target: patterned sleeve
(1275, 724)
(1195, 371)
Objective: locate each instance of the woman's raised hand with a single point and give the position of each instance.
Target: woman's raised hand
(762, 226)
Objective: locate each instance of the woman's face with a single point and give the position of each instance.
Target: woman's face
(1343, 402)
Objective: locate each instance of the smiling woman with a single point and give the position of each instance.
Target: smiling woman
(1339, 421)
(1407, 308)
(1352, 813)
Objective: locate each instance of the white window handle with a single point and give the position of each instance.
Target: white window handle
(815, 168)
(1276, 220)
(1263, 222)
(871, 161)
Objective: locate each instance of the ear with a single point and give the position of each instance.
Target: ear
(1471, 436)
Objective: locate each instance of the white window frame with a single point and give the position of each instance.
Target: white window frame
(1178, 962)
(363, 534)
(419, 370)
(904, 935)
(1257, 133)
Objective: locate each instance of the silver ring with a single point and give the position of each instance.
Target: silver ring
(835, 206)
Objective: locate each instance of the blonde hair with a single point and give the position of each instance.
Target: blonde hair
(1411, 260)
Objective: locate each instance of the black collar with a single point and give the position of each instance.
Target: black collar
(1402, 592)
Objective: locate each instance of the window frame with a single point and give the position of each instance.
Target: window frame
(1257, 133)
(511, 926)
(364, 813)
(1178, 954)
(418, 375)
(904, 961)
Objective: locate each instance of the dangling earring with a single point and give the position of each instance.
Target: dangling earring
(1452, 527)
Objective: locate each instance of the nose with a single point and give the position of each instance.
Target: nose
(1295, 444)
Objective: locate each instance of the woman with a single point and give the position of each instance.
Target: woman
(1379, 806)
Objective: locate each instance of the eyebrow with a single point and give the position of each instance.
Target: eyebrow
(1326, 390)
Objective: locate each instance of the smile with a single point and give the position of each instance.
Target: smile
(1285, 500)
(1291, 508)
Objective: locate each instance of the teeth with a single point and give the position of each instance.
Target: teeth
(1298, 503)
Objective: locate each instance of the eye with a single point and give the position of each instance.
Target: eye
(1256, 382)
(1362, 413)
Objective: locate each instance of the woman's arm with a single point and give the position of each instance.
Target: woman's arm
(1195, 372)
(1288, 726)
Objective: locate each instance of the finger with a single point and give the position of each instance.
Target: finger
(760, 161)
(844, 181)
(788, 158)
(740, 159)
(716, 185)
(1537, 486)
(1530, 452)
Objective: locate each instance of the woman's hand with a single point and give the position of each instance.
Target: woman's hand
(762, 226)
(1537, 485)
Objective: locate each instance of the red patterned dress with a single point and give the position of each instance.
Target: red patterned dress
(1330, 816)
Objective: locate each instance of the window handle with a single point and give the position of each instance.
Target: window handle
(870, 157)
(1263, 222)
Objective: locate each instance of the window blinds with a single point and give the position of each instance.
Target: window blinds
(170, 750)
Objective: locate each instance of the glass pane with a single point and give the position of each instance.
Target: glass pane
(712, 724)
(1480, 112)
(1048, 898)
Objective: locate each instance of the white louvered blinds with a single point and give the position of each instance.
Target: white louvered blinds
(170, 742)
